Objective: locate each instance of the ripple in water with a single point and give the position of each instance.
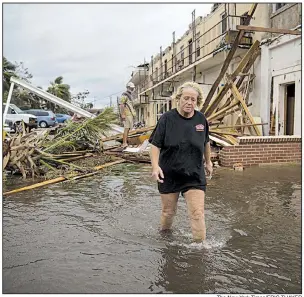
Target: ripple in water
(100, 235)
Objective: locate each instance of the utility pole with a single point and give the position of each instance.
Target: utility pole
(110, 101)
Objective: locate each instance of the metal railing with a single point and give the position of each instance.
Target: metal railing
(200, 47)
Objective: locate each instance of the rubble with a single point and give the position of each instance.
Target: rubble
(38, 152)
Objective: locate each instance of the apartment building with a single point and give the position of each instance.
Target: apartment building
(278, 83)
(199, 54)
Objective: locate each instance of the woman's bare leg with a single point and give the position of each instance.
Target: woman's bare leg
(195, 203)
(169, 206)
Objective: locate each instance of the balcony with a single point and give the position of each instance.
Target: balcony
(231, 35)
(140, 74)
(209, 43)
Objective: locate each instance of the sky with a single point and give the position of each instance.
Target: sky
(93, 46)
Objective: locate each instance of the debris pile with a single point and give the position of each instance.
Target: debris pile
(37, 153)
(233, 98)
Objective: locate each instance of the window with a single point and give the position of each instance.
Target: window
(243, 18)
(16, 108)
(42, 113)
(182, 55)
(198, 48)
(277, 6)
(156, 74)
(33, 112)
(190, 50)
(224, 23)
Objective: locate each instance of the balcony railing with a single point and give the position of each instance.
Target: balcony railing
(203, 45)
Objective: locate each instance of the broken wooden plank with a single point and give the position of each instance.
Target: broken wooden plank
(231, 139)
(229, 58)
(240, 68)
(241, 79)
(222, 111)
(229, 112)
(245, 59)
(111, 148)
(218, 140)
(239, 97)
(240, 126)
(120, 135)
(268, 30)
(224, 132)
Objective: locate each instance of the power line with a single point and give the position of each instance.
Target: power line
(106, 97)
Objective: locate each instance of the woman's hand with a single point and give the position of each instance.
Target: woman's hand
(157, 173)
(209, 168)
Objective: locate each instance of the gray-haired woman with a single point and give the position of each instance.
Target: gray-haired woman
(180, 145)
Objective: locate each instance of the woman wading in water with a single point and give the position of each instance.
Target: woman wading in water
(180, 146)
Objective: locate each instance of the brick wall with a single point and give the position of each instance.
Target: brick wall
(261, 150)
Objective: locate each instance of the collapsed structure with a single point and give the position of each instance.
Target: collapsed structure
(247, 59)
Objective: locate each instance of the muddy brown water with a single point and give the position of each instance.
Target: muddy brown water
(100, 235)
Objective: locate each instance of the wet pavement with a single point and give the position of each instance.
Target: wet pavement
(100, 235)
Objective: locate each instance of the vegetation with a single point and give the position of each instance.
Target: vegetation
(37, 153)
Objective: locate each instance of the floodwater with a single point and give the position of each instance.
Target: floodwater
(100, 235)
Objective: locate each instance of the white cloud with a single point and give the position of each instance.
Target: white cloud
(91, 45)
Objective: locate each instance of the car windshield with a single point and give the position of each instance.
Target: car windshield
(16, 108)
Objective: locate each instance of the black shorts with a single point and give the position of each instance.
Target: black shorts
(181, 190)
(178, 183)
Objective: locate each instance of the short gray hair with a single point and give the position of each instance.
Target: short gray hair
(193, 85)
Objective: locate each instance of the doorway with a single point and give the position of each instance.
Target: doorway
(289, 109)
(190, 51)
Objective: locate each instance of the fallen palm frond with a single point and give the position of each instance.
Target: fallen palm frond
(85, 135)
(37, 153)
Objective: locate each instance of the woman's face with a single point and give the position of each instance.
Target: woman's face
(188, 100)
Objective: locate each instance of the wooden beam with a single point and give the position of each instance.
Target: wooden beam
(217, 99)
(245, 59)
(119, 136)
(220, 139)
(224, 132)
(240, 126)
(240, 68)
(229, 58)
(222, 111)
(228, 113)
(231, 138)
(239, 97)
(246, 69)
(269, 30)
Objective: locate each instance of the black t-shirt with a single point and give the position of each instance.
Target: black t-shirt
(182, 144)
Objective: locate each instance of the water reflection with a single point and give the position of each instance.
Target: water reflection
(103, 232)
(182, 270)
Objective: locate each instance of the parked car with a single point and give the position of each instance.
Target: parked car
(8, 126)
(61, 118)
(45, 118)
(15, 116)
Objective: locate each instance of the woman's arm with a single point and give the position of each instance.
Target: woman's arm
(156, 170)
(207, 154)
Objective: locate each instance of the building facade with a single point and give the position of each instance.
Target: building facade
(199, 54)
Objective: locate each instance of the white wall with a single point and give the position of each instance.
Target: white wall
(281, 61)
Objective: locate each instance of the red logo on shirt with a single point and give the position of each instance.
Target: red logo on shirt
(200, 127)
